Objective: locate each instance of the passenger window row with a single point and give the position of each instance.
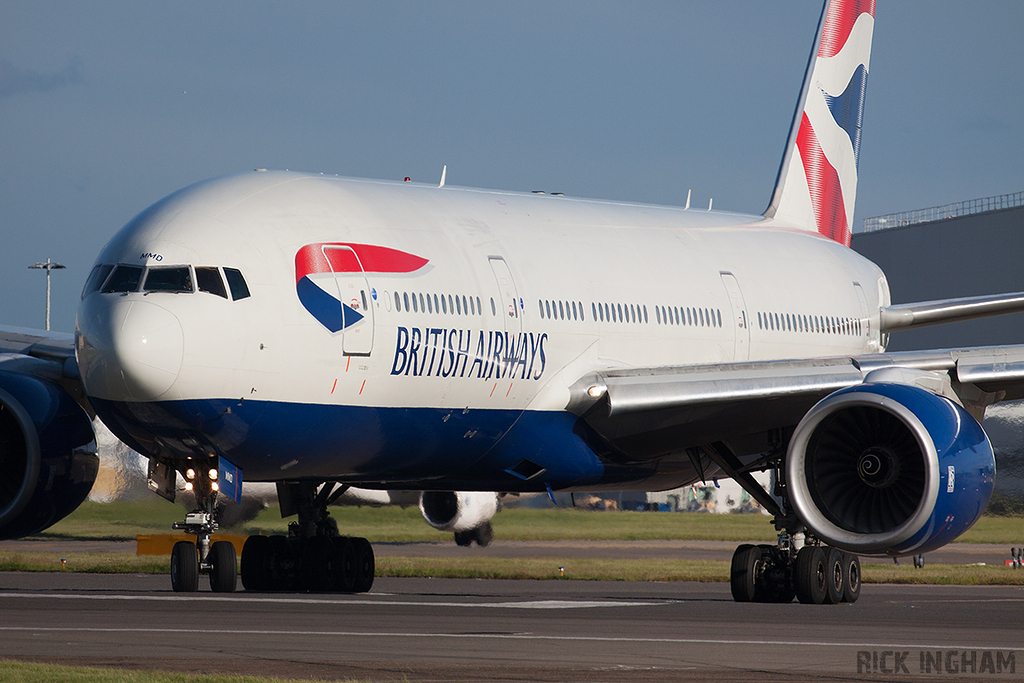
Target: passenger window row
(560, 310)
(124, 278)
(444, 304)
(619, 313)
(688, 316)
(793, 322)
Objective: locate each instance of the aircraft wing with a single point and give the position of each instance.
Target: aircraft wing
(43, 354)
(649, 412)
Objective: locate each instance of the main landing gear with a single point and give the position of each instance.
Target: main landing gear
(795, 566)
(814, 574)
(481, 535)
(313, 556)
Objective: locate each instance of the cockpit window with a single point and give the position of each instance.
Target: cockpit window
(208, 280)
(96, 278)
(169, 279)
(239, 290)
(123, 279)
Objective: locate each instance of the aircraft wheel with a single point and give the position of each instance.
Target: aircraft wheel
(811, 573)
(256, 563)
(851, 577)
(344, 564)
(315, 566)
(834, 576)
(282, 563)
(224, 567)
(464, 539)
(365, 566)
(483, 534)
(185, 567)
(747, 564)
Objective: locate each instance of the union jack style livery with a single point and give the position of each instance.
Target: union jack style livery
(817, 182)
(321, 268)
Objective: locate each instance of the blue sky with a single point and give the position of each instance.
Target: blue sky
(107, 107)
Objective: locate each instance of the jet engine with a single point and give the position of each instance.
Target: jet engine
(48, 460)
(458, 511)
(889, 469)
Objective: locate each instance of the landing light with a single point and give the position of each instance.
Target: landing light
(596, 391)
(190, 473)
(215, 486)
(188, 486)
(213, 474)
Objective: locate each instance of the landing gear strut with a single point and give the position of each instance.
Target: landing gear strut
(313, 556)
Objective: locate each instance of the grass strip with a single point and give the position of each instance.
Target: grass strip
(124, 520)
(532, 568)
(27, 672)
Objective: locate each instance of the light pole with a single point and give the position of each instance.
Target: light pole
(48, 266)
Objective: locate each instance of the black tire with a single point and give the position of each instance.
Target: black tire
(365, 566)
(483, 534)
(776, 581)
(315, 568)
(256, 563)
(835, 576)
(344, 564)
(810, 575)
(747, 563)
(224, 567)
(463, 539)
(851, 577)
(185, 567)
(283, 564)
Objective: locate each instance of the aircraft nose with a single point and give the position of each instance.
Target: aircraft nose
(129, 350)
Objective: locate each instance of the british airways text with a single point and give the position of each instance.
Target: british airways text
(440, 352)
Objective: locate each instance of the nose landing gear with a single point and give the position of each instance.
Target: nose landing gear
(189, 560)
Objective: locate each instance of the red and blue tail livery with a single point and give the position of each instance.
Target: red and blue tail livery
(319, 266)
(817, 182)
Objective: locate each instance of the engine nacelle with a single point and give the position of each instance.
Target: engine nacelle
(458, 510)
(48, 460)
(889, 469)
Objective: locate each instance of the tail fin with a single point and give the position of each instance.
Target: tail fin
(817, 181)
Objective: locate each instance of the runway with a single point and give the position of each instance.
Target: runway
(450, 629)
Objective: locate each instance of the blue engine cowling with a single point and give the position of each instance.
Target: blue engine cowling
(48, 460)
(889, 469)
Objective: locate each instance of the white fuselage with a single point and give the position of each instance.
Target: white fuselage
(668, 286)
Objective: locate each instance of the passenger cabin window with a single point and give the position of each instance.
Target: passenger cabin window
(236, 283)
(175, 279)
(96, 278)
(123, 279)
(208, 280)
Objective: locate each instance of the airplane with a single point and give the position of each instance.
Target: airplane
(322, 332)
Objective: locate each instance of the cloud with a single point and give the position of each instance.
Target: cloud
(15, 81)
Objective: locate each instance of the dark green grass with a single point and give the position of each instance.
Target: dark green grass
(124, 520)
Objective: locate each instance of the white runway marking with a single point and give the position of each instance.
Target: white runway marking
(207, 597)
(510, 636)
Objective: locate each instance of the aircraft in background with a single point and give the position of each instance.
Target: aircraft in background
(324, 332)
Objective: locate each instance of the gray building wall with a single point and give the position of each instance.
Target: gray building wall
(978, 254)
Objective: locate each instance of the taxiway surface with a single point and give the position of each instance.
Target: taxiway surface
(451, 629)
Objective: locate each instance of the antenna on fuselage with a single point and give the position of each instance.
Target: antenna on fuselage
(444, 171)
(688, 199)
(710, 202)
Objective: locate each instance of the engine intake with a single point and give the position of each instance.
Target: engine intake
(889, 469)
(458, 510)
